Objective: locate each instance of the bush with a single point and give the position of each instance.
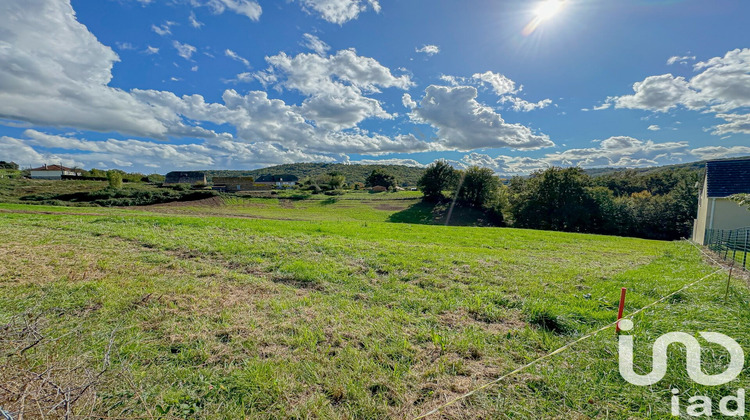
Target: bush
(114, 178)
(335, 192)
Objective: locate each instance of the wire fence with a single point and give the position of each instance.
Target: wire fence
(731, 245)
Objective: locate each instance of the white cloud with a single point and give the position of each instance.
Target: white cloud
(236, 57)
(163, 29)
(506, 89)
(314, 43)
(339, 11)
(719, 152)
(61, 78)
(393, 161)
(735, 123)
(654, 127)
(125, 46)
(408, 102)
(462, 123)
(617, 152)
(721, 86)
(335, 86)
(151, 50)
(194, 21)
(430, 50)
(185, 51)
(501, 85)
(680, 59)
(523, 105)
(248, 8)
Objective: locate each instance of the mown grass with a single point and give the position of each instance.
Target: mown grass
(340, 315)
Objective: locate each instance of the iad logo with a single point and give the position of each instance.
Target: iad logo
(702, 405)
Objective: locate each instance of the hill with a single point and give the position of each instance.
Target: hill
(690, 166)
(405, 175)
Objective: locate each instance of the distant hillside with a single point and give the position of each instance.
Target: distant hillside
(690, 166)
(405, 175)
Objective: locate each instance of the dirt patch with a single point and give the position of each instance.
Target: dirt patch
(286, 203)
(391, 207)
(206, 202)
(460, 319)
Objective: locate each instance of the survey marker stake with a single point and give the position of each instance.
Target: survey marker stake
(622, 307)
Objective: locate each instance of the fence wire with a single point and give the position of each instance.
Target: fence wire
(731, 245)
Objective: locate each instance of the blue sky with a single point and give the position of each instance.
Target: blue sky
(157, 85)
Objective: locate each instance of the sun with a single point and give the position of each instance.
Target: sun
(548, 8)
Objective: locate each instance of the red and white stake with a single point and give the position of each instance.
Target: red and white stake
(622, 307)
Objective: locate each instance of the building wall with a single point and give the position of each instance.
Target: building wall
(699, 226)
(718, 214)
(46, 174)
(728, 214)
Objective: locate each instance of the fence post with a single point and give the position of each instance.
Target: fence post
(744, 249)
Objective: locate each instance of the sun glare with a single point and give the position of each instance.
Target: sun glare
(548, 9)
(545, 10)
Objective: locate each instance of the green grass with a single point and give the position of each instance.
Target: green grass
(323, 309)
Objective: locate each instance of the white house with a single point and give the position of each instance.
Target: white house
(716, 211)
(52, 172)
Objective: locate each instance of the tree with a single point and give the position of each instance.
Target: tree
(115, 179)
(380, 177)
(8, 165)
(478, 187)
(742, 199)
(439, 176)
(555, 199)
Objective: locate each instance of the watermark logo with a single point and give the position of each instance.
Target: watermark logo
(701, 405)
(736, 362)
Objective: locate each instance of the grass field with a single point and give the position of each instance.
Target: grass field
(268, 308)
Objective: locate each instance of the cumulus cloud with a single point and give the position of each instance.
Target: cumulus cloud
(721, 86)
(236, 57)
(335, 86)
(501, 85)
(506, 89)
(430, 50)
(408, 101)
(185, 51)
(248, 8)
(314, 43)
(62, 80)
(339, 11)
(617, 152)
(462, 123)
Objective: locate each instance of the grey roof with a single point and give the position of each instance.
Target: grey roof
(728, 177)
(277, 178)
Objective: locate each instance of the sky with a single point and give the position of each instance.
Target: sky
(516, 86)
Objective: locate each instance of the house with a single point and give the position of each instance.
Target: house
(233, 183)
(52, 172)
(185, 177)
(278, 180)
(716, 211)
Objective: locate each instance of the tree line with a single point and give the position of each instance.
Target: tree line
(656, 205)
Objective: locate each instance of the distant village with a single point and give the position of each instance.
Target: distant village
(193, 178)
